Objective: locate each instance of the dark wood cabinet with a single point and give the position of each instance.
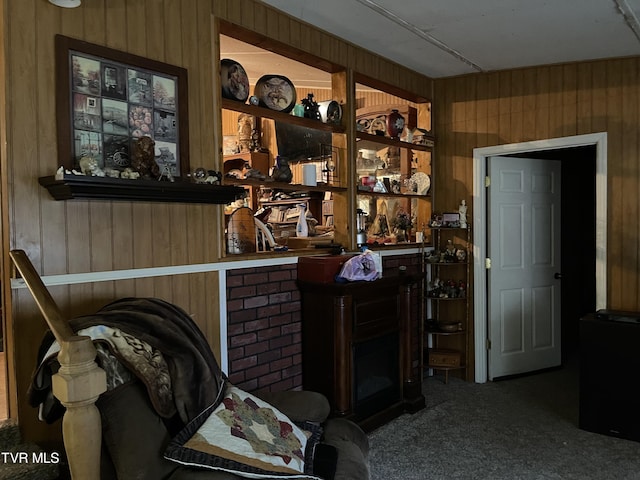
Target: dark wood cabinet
(357, 347)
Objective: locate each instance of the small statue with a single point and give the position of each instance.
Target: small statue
(450, 252)
(112, 172)
(213, 177)
(282, 172)
(166, 173)
(462, 289)
(255, 140)
(254, 173)
(89, 167)
(143, 160)
(462, 210)
(311, 107)
(60, 174)
(130, 174)
(245, 129)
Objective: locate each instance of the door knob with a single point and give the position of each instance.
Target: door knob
(557, 275)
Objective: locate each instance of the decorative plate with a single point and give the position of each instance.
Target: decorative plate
(379, 126)
(422, 182)
(330, 111)
(235, 83)
(275, 92)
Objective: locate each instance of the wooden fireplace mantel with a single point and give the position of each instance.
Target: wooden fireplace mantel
(336, 319)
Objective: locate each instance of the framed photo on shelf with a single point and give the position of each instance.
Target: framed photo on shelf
(107, 99)
(451, 220)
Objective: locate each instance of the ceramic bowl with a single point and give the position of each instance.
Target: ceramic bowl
(448, 327)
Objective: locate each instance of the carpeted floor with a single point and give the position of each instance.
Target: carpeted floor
(524, 428)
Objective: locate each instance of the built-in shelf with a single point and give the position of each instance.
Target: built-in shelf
(264, 112)
(367, 139)
(391, 194)
(254, 182)
(103, 188)
(442, 332)
(446, 298)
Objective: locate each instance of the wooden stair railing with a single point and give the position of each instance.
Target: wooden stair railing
(78, 383)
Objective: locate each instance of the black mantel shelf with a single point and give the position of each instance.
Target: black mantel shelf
(102, 188)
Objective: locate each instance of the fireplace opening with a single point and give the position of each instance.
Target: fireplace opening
(376, 375)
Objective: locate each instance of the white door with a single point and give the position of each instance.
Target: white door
(523, 284)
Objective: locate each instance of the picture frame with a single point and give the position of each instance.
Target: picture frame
(107, 99)
(451, 220)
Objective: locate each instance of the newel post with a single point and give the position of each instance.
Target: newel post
(77, 385)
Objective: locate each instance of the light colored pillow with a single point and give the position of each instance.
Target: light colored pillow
(248, 437)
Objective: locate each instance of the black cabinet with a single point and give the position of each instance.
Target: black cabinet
(609, 366)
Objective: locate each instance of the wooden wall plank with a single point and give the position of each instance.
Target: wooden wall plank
(555, 100)
(569, 100)
(583, 98)
(21, 129)
(53, 234)
(114, 24)
(528, 105)
(543, 102)
(617, 192)
(136, 28)
(101, 243)
(517, 104)
(629, 118)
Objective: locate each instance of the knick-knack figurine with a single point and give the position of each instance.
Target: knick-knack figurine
(302, 227)
(282, 171)
(311, 108)
(143, 160)
(462, 210)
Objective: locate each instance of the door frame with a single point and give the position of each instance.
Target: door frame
(599, 140)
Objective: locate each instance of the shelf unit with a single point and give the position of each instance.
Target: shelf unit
(315, 194)
(387, 170)
(447, 301)
(348, 88)
(256, 160)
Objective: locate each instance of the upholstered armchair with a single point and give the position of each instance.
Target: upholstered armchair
(164, 409)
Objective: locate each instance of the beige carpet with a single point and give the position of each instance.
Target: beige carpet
(525, 428)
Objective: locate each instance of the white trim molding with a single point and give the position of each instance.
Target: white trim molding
(220, 267)
(480, 155)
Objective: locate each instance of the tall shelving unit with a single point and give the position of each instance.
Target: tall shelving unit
(447, 270)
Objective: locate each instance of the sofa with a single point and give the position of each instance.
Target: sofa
(170, 413)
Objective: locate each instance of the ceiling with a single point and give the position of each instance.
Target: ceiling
(453, 37)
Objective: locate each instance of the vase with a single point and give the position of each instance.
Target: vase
(395, 124)
(302, 228)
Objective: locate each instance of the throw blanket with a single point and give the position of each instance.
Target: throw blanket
(196, 378)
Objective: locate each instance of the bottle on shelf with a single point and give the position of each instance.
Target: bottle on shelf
(302, 228)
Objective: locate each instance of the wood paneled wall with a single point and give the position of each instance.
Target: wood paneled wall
(95, 236)
(522, 105)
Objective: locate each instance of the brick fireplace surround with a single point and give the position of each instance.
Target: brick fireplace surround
(264, 324)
